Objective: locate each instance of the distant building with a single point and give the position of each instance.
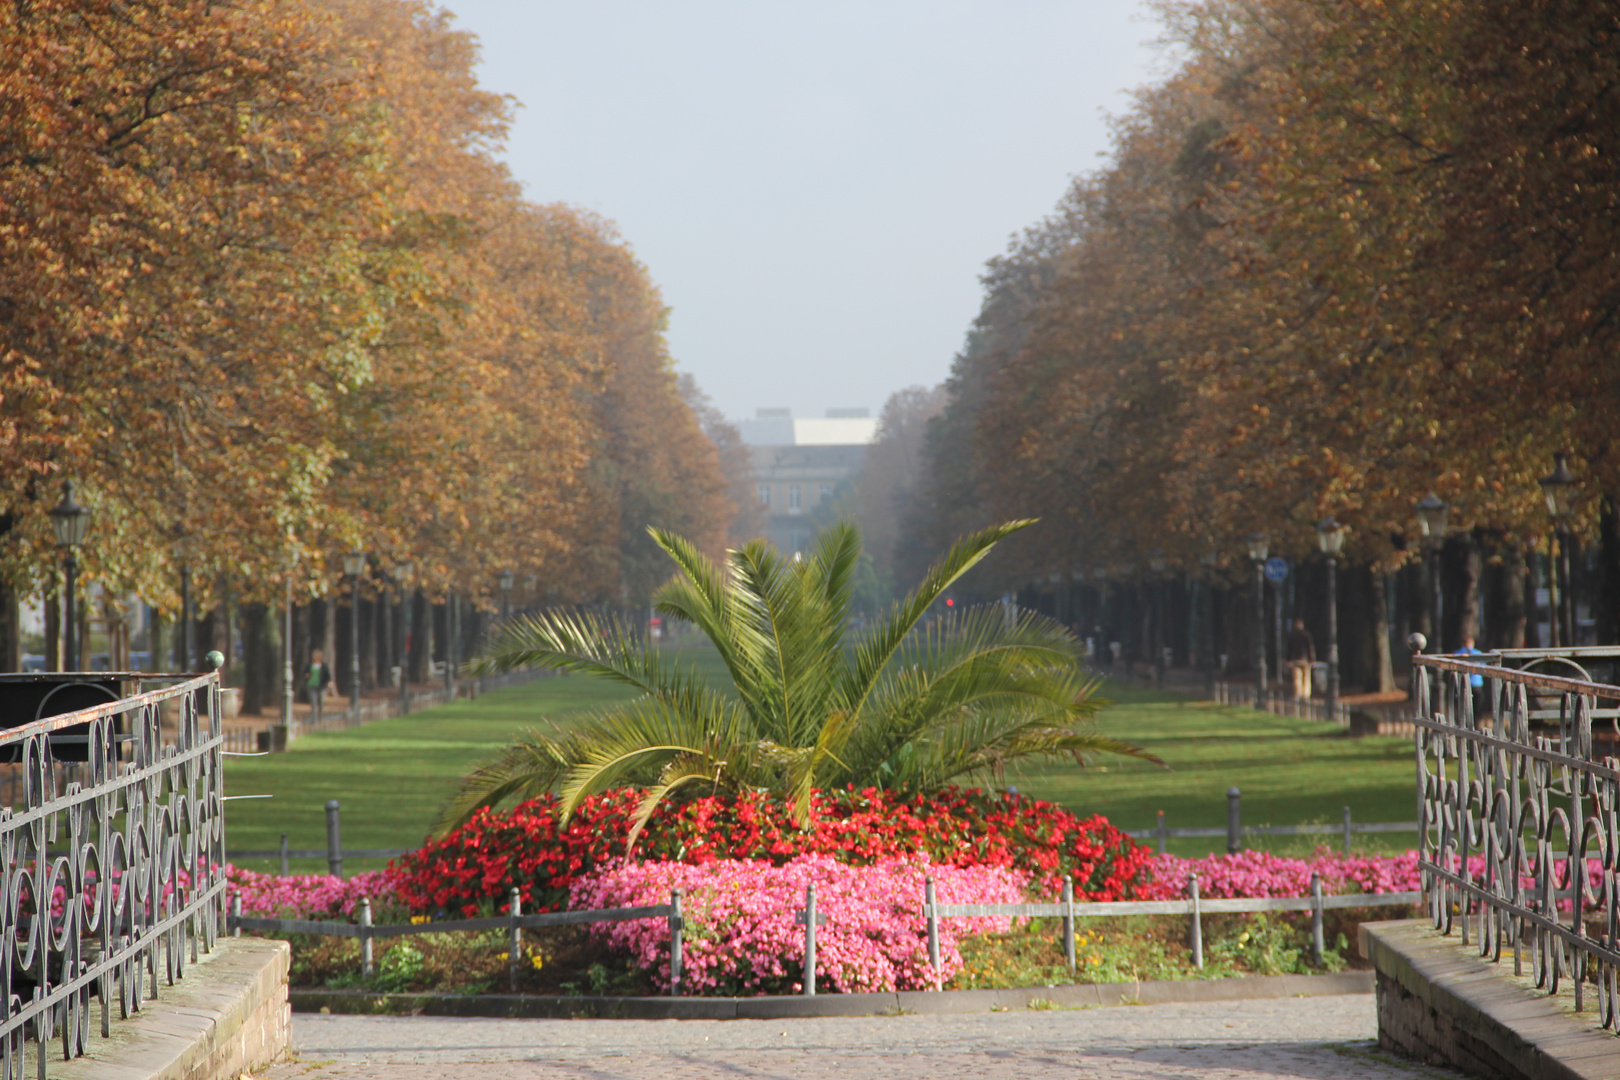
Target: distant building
(799, 463)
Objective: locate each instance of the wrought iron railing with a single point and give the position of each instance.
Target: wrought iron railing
(1517, 811)
(114, 879)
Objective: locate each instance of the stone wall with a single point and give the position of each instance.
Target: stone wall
(1444, 1004)
(227, 1017)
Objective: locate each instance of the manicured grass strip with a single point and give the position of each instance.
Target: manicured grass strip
(1291, 771)
(392, 776)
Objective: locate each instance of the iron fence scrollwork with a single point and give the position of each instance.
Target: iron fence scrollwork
(114, 865)
(1519, 848)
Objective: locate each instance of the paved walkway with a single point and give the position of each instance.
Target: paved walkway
(1323, 1038)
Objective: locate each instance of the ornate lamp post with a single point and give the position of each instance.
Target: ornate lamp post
(1157, 563)
(1330, 538)
(1432, 513)
(1258, 549)
(403, 574)
(1558, 487)
(70, 521)
(354, 564)
(506, 580)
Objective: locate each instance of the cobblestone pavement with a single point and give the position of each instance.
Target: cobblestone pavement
(1323, 1038)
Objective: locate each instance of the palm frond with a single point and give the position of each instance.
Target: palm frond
(878, 647)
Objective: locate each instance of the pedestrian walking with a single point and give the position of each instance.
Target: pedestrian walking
(1301, 655)
(317, 679)
(1476, 683)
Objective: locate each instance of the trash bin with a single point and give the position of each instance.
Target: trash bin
(1319, 672)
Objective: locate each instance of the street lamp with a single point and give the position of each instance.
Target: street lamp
(354, 564)
(1432, 514)
(402, 574)
(506, 580)
(1558, 487)
(1330, 538)
(71, 521)
(1258, 550)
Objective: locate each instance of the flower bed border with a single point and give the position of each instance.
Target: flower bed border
(925, 1002)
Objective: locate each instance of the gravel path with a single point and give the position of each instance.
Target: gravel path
(1321, 1038)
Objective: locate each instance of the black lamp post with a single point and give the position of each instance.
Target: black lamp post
(1559, 489)
(1432, 513)
(71, 521)
(1258, 549)
(1330, 538)
(403, 574)
(506, 580)
(354, 564)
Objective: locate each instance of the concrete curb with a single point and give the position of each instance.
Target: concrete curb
(922, 1002)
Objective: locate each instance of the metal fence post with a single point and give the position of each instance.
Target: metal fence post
(676, 925)
(236, 915)
(366, 966)
(1347, 830)
(514, 938)
(334, 839)
(1234, 821)
(1195, 926)
(1068, 920)
(284, 868)
(1316, 918)
(1162, 833)
(930, 900)
(810, 940)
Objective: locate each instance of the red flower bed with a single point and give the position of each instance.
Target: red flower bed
(477, 865)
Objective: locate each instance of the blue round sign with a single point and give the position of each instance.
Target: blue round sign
(1276, 569)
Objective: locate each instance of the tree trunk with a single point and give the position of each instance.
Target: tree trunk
(10, 629)
(261, 635)
(1468, 613)
(1606, 605)
(1532, 608)
(53, 626)
(1380, 608)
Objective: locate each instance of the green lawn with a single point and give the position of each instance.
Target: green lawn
(1289, 771)
(391, 776)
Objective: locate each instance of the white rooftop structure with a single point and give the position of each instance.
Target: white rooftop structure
(779, 427)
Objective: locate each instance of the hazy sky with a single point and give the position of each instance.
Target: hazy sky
(814, 185)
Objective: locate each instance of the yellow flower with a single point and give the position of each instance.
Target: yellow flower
(418, 920)
(505, 956)
(536, 960)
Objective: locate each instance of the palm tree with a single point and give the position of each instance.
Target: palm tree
(898, 707)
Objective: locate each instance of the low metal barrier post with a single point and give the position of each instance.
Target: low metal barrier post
(808, 917)
(1195, 926)
(676, 925)
(1316, 919)
(1347, 830)
(236, 915)
(1234, 821)
(1068, 921)
(930, 902)
(284, 868)
(1162, 834)
(334, 839)
(514, 939)
(366, 966)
